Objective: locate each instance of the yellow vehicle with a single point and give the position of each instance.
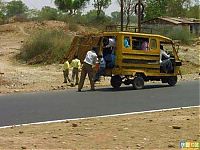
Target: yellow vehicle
(133, 58)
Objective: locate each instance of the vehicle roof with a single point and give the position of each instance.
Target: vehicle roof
(138, 34)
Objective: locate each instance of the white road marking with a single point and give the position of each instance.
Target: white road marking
(105, 116)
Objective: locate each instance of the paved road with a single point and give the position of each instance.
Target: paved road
(38, 107)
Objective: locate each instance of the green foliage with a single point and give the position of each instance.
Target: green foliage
(178, 8)
(116, 16)
(90, 20)
(1, 18)
(193, 12)
(70, 6)
(15, 7)
(155, 8)
(172, 8)
(45, 46)
(48, 13)
(2, 12)
(100, 21)
(99, 5)
(182, 35)
(73, 27)
(33, 14)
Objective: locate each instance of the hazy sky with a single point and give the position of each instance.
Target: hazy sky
(38, 4)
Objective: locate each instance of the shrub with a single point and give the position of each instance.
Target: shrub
(182, 35)
(45, 46)
(73, 27)
(48, 13)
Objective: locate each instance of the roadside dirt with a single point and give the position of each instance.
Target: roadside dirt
(150, 131)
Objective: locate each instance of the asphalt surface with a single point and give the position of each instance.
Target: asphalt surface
(68, 104)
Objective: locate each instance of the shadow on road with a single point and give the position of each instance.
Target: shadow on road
(129, 88)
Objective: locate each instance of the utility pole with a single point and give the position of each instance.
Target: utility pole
(139, 16)
(122, 15)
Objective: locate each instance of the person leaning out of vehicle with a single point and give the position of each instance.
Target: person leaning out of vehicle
(165, 61)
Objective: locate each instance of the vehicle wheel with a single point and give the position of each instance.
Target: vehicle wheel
(138, 83)
(127, 82)
(116, 81)
(172, 80)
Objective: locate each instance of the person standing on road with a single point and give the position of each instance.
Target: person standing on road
(89, 61)
(76, 66)
(66, 67)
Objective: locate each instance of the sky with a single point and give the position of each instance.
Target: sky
(38, 4)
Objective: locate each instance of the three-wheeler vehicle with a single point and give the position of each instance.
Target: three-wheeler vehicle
(133, 58)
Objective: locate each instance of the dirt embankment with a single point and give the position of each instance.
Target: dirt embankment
(16, 76)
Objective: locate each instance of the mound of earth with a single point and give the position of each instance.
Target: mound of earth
(29, 27)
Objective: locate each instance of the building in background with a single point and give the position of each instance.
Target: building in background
(190, 24)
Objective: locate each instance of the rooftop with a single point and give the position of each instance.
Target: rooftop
(178, 20)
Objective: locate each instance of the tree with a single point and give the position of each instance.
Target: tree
(70, 6)
(129, 9)
(193, 12)
(155, 8)
(116, 16)
(33, 14)
(2, 12)
(178, 8)
(16, 7)
(99, 5)
(172, 8)
(48, 13)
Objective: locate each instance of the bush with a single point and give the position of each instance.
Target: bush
(73, 27)
(48, 13)
(2, 17)
(45, 46)
(182, 35)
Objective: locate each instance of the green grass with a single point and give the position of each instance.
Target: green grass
(45, 46)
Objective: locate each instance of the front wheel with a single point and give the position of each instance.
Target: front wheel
(138, 83)
(172, 80)
(116, 81)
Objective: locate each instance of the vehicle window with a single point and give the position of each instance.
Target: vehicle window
(139, 43)
(126, 42)
(153, 44)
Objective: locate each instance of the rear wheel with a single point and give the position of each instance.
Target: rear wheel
(172, 80)
(116, 81)
(138, 83)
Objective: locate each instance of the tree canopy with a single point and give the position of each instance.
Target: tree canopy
(15, 7)
(70, 6)
(99, 5)
(48, 13)
(172, 8)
